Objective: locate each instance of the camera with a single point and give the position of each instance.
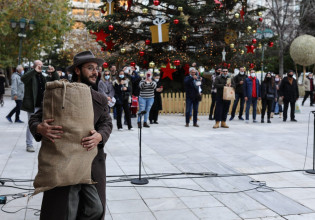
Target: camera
(44, 69)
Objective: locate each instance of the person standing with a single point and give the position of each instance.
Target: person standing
(105, 86)
(289, 92)
(252, 94)
(2, 90)
(213, 92)
(238, 82)
(277, 106)
(222, 106)
(146, 98)
(268, 96)
(113, 72)
(309, 85)
(34, 87)
(81, 201)
(157, 104)
(17, 94)
(192, 85)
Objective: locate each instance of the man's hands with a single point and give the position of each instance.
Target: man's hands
(51, 132)
(50, 69)
(246, 98)
(15, 97)
(92, 141)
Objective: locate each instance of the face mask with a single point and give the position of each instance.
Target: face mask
(224, 75)
(268, 78)
(252, 75)
(157, 80)
(242, 73)
(277, 79)
(218, 73)
(63, 74)
(22, 72)
(107, 77)
(289, 75)
(121, 76)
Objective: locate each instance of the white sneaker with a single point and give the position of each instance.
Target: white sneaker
(246, 121)
(30, 149)
(120, 129)
(131, 129)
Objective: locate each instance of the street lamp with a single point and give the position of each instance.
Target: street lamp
(263, 34)
(22, 26)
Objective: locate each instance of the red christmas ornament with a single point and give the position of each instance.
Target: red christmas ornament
(260, 19)
(133, 64)
(250, 49)
(105, 65)
(270, 44)
(141, 53)
(177, 62)
(110, 27)
(145, 62)
(254, 41)
(176, 21)
(229, 65)
(156, 2)
(147, 42)
(102, 10)
(252, 66)
(225, 64)
(186, 68)
(102, 49)
(91, 32)
(168, 71)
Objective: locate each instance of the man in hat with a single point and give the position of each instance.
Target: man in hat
(79, 201)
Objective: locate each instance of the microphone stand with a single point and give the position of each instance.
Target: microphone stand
(140, 181)
(313, 170)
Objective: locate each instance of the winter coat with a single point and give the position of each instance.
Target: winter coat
(120, 95)
(30, 89)
(17, 86)
(55, 201)
(239, 88)
(307, 84)
(192, 91)
(106, 88)
(266, 88)
(2, 82)
(157, 104)
(290, 92)
(248, 88)
(219, 84)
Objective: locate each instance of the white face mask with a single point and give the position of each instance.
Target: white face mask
(157, 80)
(242, 73)
(252, 75)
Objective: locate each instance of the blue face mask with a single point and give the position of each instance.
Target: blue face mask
(121, 76)
(107, 77)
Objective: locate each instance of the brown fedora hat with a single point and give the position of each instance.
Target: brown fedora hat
(84, 57)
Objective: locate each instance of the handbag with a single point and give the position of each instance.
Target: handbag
(270, 96)
(228, 93)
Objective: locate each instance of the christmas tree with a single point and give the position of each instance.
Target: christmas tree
(168, 33)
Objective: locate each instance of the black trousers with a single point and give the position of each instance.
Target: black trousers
(266, 104)
(154, 114)
(213, 100)
(285, 109)
(126, 108)
(16, 110)
(221, 109)
(310, 94)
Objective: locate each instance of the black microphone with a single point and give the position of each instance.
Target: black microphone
(142, 113)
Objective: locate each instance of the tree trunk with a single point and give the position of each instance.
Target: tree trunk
(281, 57)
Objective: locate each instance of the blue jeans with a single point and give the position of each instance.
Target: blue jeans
(250, 101)
(242, 101)
(191, 105)
(145, 104)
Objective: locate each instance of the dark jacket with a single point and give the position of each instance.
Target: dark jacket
(2, 82)
(30, 89)
(290, 92)
(157, 104)
(191, 88)
(266, 88)
(219, 84)
(121, 96)
(248, 88)
(55, 201)
(239, 88)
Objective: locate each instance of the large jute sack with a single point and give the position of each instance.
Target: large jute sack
(66, 162)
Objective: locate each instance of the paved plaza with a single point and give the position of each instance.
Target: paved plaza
(219, 157)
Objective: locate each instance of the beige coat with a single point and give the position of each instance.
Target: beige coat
(307, 84)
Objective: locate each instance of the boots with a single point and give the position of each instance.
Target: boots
(280, 114)
(224, 125)
(145, 125)
(217, 124)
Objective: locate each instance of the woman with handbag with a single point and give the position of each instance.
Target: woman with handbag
(268, 96)
(122, 96)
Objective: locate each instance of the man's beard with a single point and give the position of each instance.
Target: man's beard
(86, 80)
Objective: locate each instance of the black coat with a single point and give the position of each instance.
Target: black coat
(121, 96)
(289, 91)
(266, 88)
(239, 88)
(55, 201)
(2, 82)
(191, 89)
(219, 84)
(157, 104)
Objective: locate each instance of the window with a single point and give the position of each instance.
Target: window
(78, 25)
(77, 11)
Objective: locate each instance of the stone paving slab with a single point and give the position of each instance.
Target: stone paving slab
(172, 148)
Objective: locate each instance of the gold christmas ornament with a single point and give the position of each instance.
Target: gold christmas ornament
(180, 9)
(259, 14)
(237, 15)
(249, 28)
(259, 46)
(232, 46)
(151, 64)
(254, 31)
(242, 52)
(184, 38)
(145, 11)
(123, 50)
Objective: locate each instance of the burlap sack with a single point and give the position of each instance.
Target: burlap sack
(66, 162)
(228, 93)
